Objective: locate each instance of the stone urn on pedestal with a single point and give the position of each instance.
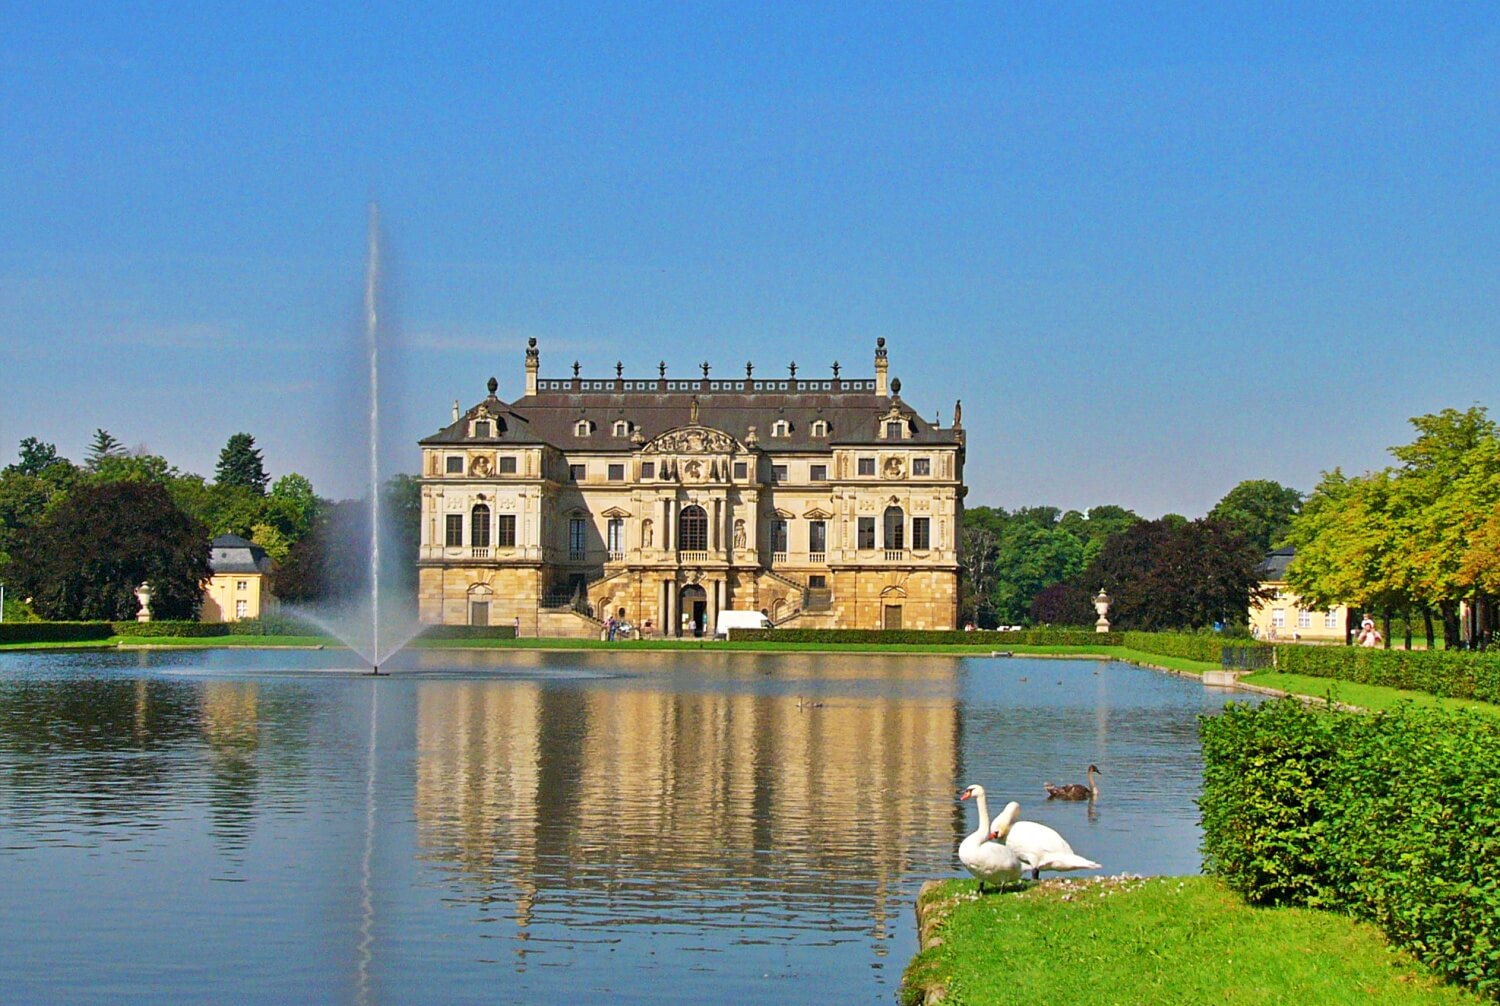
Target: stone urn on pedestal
(143, 595)
(1101, 605)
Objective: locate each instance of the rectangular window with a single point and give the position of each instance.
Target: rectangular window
(817, 581)
(1278, 617)
(817, 536)
(778, 473)
(867, 532)
(614, 534)
(818, 473)
(241, 609)
(778, 535)
(507, 464)
(867, 466)
(578, 473)
(741, 470)
(648, 469)
(893, 431)
(921, 533)
(454, 530)
(895, 528)
(482, 428)
(454, 465)
(242, 585)
(505, 530)
(1330, 620)
(1304, 619)
(479, 527)
(617, 473)
(577, 536)
(921, 466)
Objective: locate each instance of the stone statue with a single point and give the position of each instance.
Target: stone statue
(646, 533)
(143, 595)
(739, 534)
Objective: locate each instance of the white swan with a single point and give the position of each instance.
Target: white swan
(982, 853)
(1039, 847)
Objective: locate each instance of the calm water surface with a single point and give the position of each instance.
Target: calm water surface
(258, 827)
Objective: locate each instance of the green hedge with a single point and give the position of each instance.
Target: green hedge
(930, 637)
(55, 632)
(1456, 674)
(171, 628)
(1190, 646)
(1392, 817)
(275, 625)
(469, 632)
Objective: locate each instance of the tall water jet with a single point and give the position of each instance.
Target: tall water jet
(372, 343)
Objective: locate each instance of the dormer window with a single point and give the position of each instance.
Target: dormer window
(582, 428)
(820, 428)
(622, 428)
(893, 429)
(482, 429)
(781, 428)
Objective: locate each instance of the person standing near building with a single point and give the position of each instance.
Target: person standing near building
(1369, 636)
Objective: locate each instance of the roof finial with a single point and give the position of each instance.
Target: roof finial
(576, 368)
(492, 384)
(835, 368)
(749, 368)
(896, 386)
(661, 369)
(619, 369)
(704, 365)
(958, 413)
(792, 367)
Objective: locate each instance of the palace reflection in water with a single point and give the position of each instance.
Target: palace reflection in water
(609, 827)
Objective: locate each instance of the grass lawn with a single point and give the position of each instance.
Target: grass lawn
(1157, 940)
(1356, 694)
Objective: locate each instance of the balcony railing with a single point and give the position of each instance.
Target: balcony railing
(694, 556)
(778, 557)
(895, 555)
(479, 552)
(819, 557)
(616, 555)
(577, 555)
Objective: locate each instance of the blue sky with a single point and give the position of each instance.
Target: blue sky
(1155, 250)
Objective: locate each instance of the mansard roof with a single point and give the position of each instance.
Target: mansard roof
(853, 410)
(229, 553)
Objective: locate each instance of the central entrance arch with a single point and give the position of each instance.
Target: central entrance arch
(694, 607)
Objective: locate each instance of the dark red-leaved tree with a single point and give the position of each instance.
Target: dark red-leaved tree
(85, 559)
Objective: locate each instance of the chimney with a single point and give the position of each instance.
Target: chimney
(533, 362)
(881, 388)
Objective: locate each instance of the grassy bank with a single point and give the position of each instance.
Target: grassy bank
(1157, 940)
(1374, 697)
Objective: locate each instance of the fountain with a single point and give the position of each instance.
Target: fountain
(375, 627)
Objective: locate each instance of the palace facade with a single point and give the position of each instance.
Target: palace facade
(824, 503)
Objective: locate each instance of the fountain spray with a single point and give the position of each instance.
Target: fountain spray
(372, 329)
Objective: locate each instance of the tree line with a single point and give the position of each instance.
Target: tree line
(76, 539)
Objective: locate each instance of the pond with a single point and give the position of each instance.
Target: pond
(259, 827)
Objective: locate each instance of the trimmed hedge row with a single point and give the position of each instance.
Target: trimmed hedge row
(54, 632)
(1456, 674)
(931, 637)
(175, 629)
(469, 632)
(1189, 646)
(1393, 817)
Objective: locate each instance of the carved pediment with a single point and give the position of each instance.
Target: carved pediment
(693, 440)
(782, 514)
(615, 511)
(817, 513)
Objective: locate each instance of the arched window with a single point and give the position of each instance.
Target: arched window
(479, 526)
(692, 530)
(781, 428)
(582, 428)
(820, 428)
(622, 428)
(895, 528)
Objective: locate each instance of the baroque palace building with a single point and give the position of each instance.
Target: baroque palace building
(824, 503)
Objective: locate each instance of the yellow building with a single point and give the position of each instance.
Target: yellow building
(825, 503)
(1283, 617)
(237, 588)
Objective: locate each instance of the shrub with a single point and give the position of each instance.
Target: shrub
(168, 628)
(274, 625)
(469, 632)
(930, 637)
(1452, 673)
(1207, 646)
(55, 632)
(1393, 817)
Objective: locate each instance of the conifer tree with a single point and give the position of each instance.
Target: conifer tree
(240, 464)
(104, 446)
